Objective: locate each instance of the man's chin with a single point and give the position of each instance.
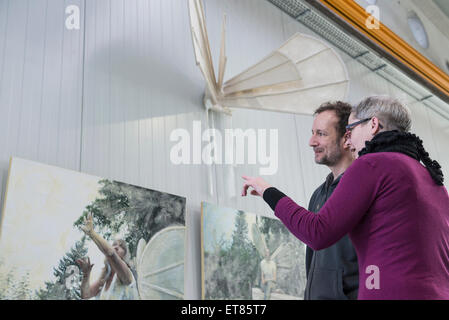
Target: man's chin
(320, 161)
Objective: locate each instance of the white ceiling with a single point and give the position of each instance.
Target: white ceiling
(434, 15)
(443, 5)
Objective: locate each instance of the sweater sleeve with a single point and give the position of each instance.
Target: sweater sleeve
(272, 197)
(349, 202)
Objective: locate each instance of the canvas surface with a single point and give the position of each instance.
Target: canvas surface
(41, 236)
(247, 256)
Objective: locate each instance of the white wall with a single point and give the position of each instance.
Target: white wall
(104, 99)
(41, 80)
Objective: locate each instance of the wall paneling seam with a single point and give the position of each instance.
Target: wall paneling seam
(83, 65)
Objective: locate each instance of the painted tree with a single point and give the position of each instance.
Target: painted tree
(244, 260)
(274, 232)
(290, 264)
(232, 266)
(240, 234)
(68, 279)
(136, 211)
(14, 287)
(23, 291)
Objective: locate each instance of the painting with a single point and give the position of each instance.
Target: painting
(66, 235)
(249, 257)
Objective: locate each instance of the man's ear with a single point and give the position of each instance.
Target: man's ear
(345, 140)
(375, 126)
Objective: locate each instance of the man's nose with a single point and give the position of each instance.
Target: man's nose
(312, 141)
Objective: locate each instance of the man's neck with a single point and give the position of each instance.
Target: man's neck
(341, 166)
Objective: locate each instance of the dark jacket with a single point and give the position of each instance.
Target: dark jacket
(332, 273)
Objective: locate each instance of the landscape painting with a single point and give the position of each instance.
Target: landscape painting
(66, 235)
(250, 257)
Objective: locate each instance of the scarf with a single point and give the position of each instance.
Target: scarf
(408, 144)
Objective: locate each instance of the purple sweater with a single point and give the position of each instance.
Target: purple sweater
(397, 218)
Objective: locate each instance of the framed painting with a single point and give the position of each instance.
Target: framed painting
(250, 257)
(66, 235)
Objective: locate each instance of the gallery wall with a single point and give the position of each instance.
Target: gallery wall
(104, 99)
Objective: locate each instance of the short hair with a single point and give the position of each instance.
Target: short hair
(391, 112)
(341, 109)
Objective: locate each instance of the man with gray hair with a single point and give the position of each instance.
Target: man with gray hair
(387, 122)
(395, 209)
(391, 112)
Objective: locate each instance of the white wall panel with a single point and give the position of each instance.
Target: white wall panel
(40, 84)
(287, 178)
(440, 134)
(422, 127)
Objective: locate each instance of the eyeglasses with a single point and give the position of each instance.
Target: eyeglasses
(351, 126)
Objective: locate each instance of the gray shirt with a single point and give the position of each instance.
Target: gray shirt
(332, 273)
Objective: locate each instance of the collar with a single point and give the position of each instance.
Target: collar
(330, 179)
